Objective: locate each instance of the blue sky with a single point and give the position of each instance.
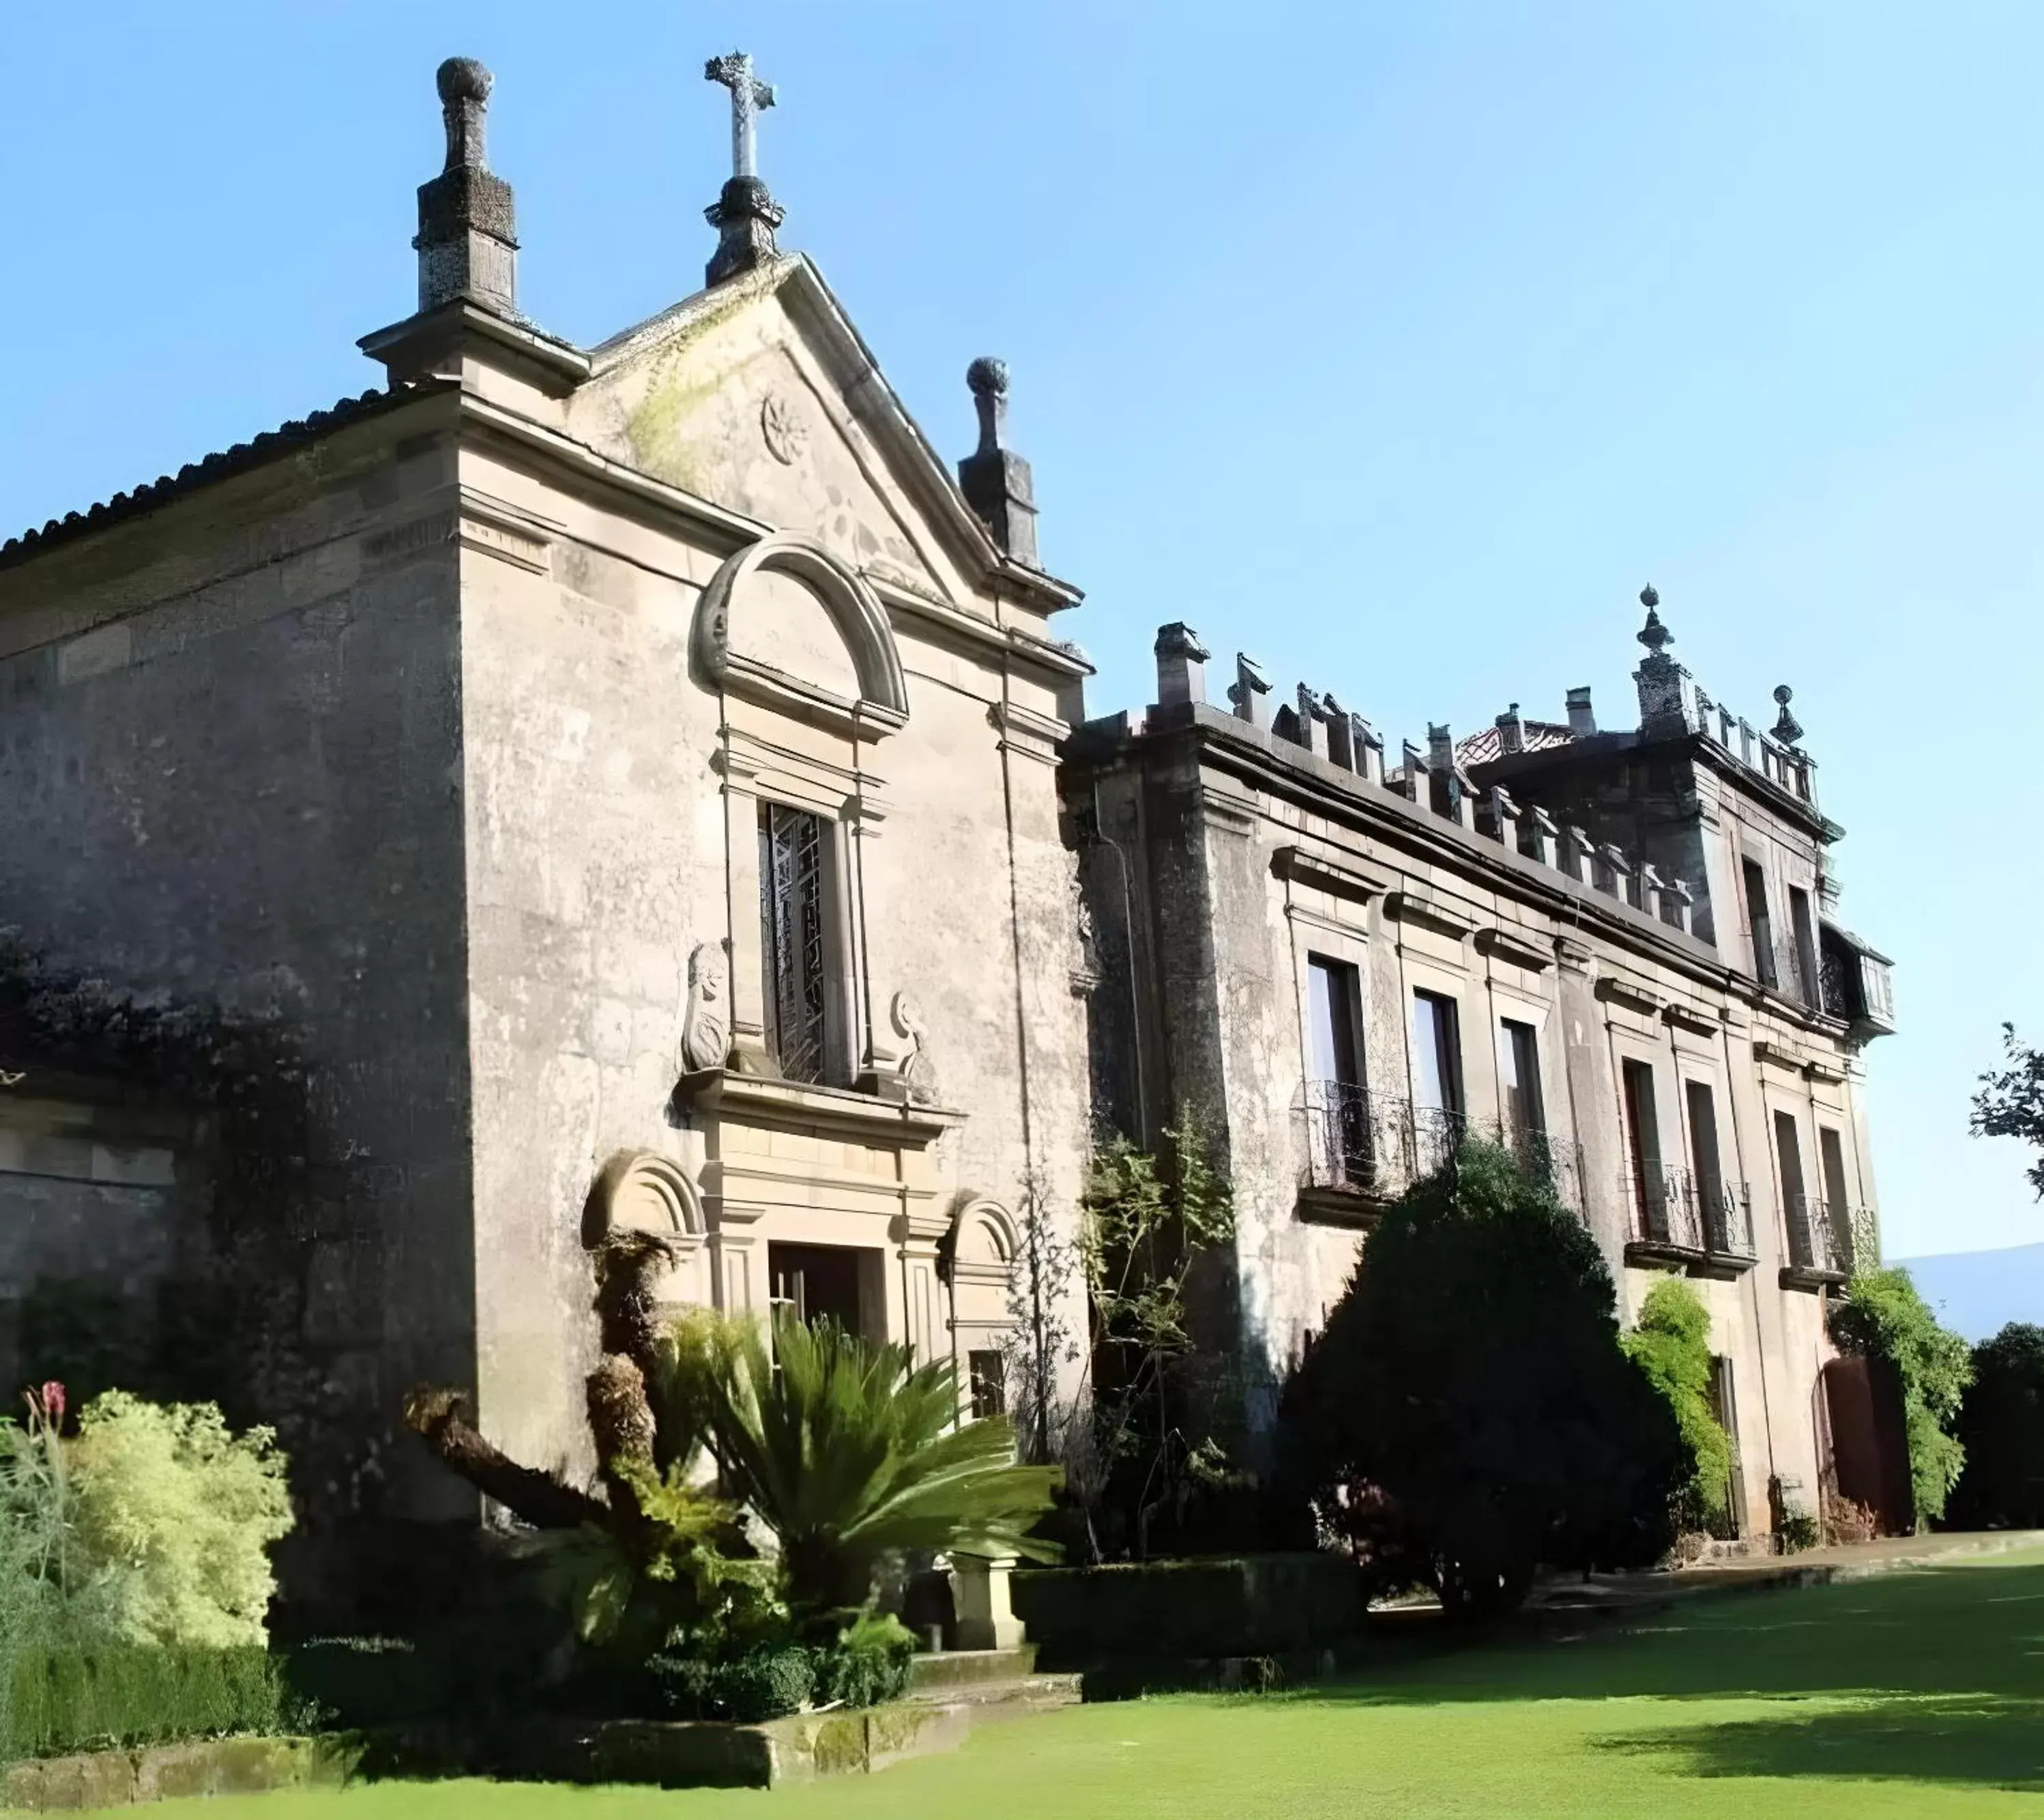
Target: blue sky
(1397, 344)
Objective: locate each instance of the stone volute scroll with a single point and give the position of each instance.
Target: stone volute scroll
(868, 698)
(706, 1024)
(915, 1071)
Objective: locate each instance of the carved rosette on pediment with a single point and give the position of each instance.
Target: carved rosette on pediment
(706, 1023)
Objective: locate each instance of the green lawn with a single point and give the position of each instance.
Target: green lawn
(1921, 1694)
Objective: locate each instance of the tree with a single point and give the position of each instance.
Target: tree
(1672, 1345)
(1882, 1317)
(2010, 1103)
(850, 1451)
(2001, 1427)
(1469, 1413)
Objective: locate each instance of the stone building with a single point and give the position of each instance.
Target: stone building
(1618, 952)
(566, 786)
(643, 785)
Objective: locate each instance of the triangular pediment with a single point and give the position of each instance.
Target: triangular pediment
(759, 397)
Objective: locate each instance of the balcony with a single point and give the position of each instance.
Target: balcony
(1362, 1149)
(1675, 1218)
(1819, 1251)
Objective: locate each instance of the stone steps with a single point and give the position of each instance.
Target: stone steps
(993, 1700)
(945, 1669)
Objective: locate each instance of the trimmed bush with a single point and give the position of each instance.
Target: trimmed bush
(72, 1700)
(1469, 1414)
(1254, 1605)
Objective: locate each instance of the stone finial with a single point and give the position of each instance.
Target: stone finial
(1181, 659)
(1582, 718)
(466, 243)
(1655, 635)
(1511, 731)
(1246, 694)
(1665, 701)
(1787, 729)
(996, 481)
(745, 214)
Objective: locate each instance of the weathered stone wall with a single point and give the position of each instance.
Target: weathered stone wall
(231, 795)
(1289, 858)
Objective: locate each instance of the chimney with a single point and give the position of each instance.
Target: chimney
(1511, 731)
(1582, 721)
(1180, 664)
(466, 243)
(994, 479)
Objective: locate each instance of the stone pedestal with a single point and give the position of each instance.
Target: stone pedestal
(986, 1619)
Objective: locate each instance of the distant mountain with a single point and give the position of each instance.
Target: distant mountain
(1977, 1293)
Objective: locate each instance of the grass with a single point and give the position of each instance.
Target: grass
(1919, 1694)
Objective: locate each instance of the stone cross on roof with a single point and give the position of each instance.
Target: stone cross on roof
(748, 95)
(745, 214)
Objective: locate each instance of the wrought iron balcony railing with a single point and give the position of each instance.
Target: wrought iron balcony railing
(1378, 1144)
(1817, 1246)
(1673, 1213)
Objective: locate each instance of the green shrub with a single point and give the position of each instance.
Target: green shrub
(1468, 1413)
(768, 1683)
(2001, 1427)
(868, 1663)
(180, 1515)
(1672, 1345)
(62, 1701)
(1882, 1317)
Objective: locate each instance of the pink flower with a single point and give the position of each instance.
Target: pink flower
(53, 1402)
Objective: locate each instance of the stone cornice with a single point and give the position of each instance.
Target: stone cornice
(1253, 756)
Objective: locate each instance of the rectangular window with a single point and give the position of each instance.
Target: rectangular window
(1760, 924)
(1795, 1201)
(1437, 1079)
(987, 1374)
(1642, 1134)
(1805, 934)
(1831, 1157)
(1437, 1055)
(793, 948)
(1334, 995)
(1703, 1155)
(1724, 1406)
(1519, 1082)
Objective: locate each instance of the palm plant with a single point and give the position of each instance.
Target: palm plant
(849, 1451)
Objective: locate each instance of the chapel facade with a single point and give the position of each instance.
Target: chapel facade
(583, 787)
